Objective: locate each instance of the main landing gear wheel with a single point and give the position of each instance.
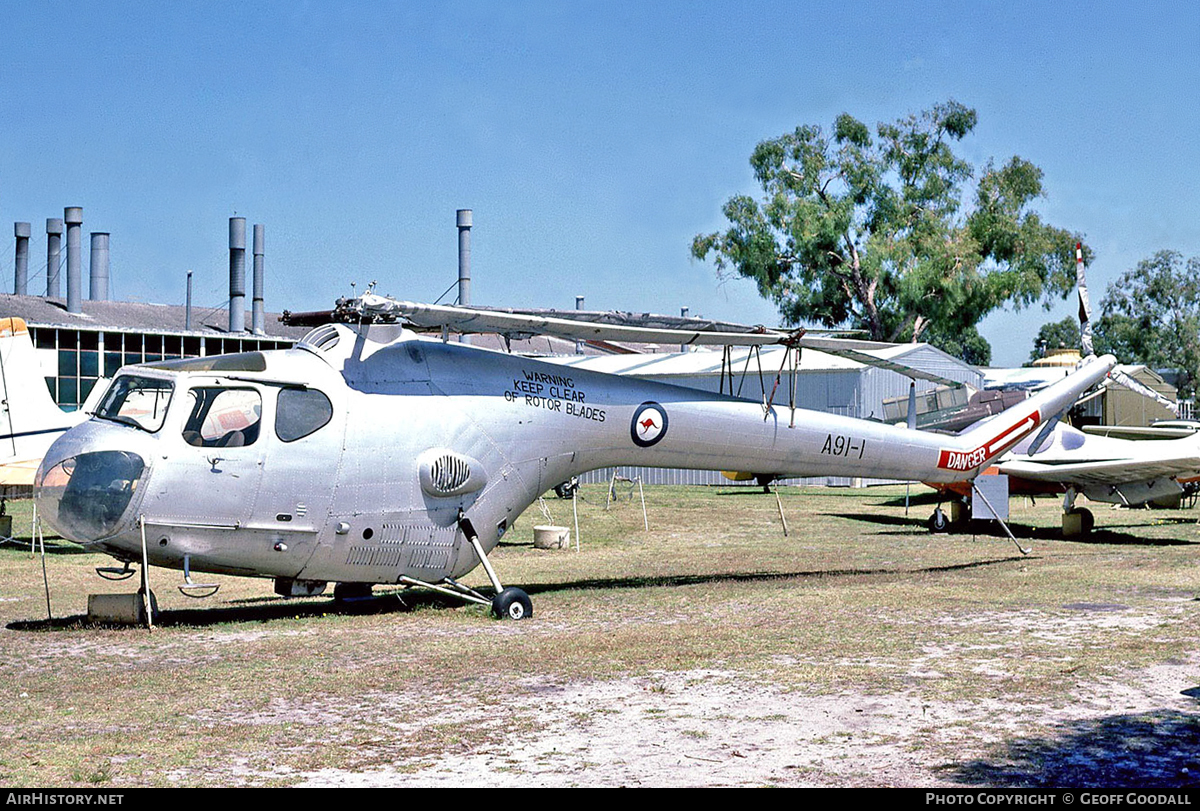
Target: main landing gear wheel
(509, 603)
(512, 604)
(351, 592)
(1086, 520)
(939, 522)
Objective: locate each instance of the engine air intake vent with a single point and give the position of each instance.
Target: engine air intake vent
(446, 473)
(322, 338)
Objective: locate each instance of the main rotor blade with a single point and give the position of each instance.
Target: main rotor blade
(1133, 384)
(502, 322)
(616, 327)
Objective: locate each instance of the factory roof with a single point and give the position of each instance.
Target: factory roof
(39, 311)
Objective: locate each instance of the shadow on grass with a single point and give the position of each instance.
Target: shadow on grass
(266, 609)
(750, 577)
(1158, 749)
(1108, 534)
(56, 546)
(925, 497)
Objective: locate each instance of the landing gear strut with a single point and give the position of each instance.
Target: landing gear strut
(509, 603)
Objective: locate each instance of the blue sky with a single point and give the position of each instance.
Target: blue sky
(591, 140)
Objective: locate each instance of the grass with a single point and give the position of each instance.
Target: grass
(247, 688)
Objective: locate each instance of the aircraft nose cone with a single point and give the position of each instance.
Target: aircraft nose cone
(83, 497)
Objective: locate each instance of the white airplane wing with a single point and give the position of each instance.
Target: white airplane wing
(1096, 472)
(16, 473)
(1084, 460)
(1151, 432)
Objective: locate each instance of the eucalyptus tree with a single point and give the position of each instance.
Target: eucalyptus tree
(1063, 334)
(890, 232)
(1151, 315)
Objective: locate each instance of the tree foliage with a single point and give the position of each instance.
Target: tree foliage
(1151, 315)
(966, 344)
(1056, 335)
(870, 231)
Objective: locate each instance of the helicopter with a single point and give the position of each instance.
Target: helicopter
(367, 454)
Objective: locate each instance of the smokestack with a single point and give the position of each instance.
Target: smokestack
(21, 282)
(464, 256)
(98, 279)
(54, 229)
(73, 217)
(237, 274)
(579, 306)
(187, 316)
(464, 262)
(683, 313)
(258, 319)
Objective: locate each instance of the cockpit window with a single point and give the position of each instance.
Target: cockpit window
(222, 417)
(137, 401)
(301, 412)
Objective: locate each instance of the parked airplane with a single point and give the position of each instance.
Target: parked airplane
(30, 420)
(366, 454)
(1062, 459)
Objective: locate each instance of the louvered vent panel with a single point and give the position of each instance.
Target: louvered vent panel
(448, 473)
(322, 338)
(445, 473)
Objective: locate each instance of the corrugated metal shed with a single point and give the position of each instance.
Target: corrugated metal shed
(824, 382)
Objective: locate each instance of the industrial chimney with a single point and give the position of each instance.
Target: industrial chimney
(21, 282)
(258, 319)
(237, 274)
(579, 306)
(98, 275)
(464, 256)
(73, 217)
(54, 229)
(464, 262)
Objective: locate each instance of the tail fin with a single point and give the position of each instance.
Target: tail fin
(29, 418)
(984, 441)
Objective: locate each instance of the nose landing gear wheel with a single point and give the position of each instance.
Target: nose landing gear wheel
(512, 604)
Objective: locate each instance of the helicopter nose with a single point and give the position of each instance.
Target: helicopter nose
(84, 496)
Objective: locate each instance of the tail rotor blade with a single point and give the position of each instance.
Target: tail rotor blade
(1085, 308)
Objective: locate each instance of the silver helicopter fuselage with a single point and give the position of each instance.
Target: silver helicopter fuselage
(353, 457)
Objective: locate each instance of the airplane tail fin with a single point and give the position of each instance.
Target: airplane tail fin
(28, 414)
(987, 439)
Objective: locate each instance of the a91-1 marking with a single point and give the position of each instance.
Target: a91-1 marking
(838, 445)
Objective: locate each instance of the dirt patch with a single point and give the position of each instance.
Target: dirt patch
(712, 728)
